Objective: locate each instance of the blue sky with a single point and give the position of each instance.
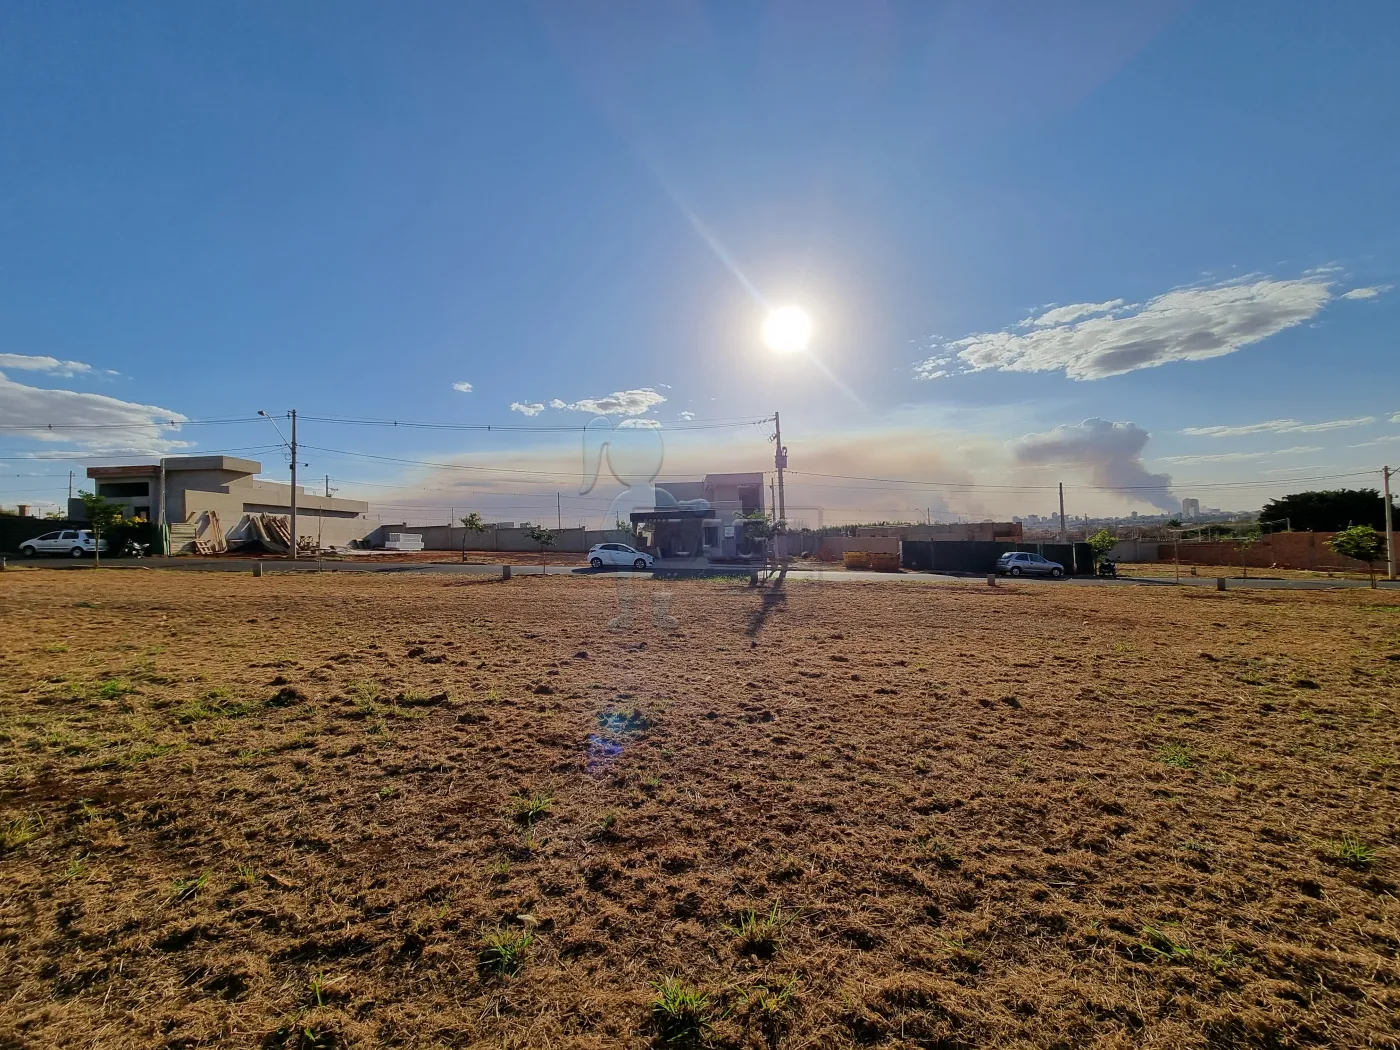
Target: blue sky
(349, 208)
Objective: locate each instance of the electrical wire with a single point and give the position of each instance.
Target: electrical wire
(546, 428)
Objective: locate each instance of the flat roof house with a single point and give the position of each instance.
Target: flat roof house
(228, 486)
(699, 522)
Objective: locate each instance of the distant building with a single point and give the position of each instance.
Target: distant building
(1190, 508)
(698, 518)
(226, 485)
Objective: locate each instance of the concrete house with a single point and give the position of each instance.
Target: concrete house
(699, 518)
(228, 486)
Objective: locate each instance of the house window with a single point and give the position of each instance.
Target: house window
(123, 489)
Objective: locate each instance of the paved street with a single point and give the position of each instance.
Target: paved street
(271, 566)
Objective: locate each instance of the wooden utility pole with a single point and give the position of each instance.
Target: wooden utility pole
(1063, 535)
(1389, 525)
(294, 484)
(780, 461)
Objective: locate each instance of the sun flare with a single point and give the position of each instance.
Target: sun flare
(787, 330)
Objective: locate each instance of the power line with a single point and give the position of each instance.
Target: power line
(1090, 488)
(545, 428)
(153, 422)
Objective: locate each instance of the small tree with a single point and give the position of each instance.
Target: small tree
(102, 516)
(1100, 543)
(1245, 537)
(1362, 543)
(473, 524)
(544, 538)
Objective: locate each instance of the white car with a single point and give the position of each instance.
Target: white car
(618, 555)
(76, 543)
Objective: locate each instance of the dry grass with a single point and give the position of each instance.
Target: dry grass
(330, 811)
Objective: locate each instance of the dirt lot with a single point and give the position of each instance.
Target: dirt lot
(346, 810)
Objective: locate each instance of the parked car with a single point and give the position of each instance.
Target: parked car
(1020, 563)
(76, 543)
(618, 554)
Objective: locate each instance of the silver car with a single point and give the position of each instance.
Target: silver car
(76, 543)
(1021, 563)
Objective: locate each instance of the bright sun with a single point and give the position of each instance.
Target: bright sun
(787, 330)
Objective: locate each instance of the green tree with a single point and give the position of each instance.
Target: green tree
(543, 537)
(103, 516)
(1330, 510)
(1362, 543)
(473, 524)
(1101, 542)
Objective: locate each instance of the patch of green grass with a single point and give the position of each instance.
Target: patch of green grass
(530, 809)
(767, 1004)
(114, 689)
(247, 876)
(184, 889)
(502, 952)
(624, 720)
(759, 934)
(1351, 851)
(147, 752)
(940, 850)
(387, 792)
(682, 1015)
(214, 704)
(1178, 756)
(56, 647)
(1159, 944)
(77, 869)
(17, 831)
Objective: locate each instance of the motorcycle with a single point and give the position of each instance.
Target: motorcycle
(136, 550)
(1108, 569)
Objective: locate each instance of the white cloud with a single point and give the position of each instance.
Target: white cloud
(38, 414)
(1111, 453)
(687, 416)
(1379, 441)
(50, 365)
(463, 387)
(1395, 418)
(1236, 457)
(1366, 293)
(1188, 324)
(527, 409)
(1066, 314)
(1278, 426)
(619, 403)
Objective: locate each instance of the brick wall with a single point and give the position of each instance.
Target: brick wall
(1282, 550)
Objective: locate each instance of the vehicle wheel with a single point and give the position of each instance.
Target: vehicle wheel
(1015, 570)
(77, 552)
(597, 563)
(28, 552)
(1057, 573)
(639, 564)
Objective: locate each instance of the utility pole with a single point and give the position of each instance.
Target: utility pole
(1063, 534)
(1389, 525)
(294, 484)
(558, 513)
(164, 531)
(328, 486)
(70, 489)
(780, 461)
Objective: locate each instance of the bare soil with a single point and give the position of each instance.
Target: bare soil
(369, 811)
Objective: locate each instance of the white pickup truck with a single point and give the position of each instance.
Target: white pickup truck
(76, 543)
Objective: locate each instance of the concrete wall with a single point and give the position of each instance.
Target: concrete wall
(1140, 550)
(451, 538)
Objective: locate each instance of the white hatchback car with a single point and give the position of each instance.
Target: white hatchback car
(76, 543)
(618, 555)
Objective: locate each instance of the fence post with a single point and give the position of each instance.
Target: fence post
(1220, 583)
(257, 568)
(991, 579)
(505, 572)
